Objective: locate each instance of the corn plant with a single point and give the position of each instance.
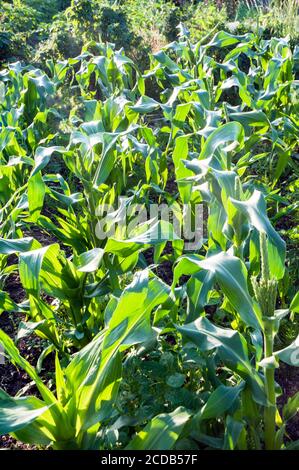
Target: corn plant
(86, 389)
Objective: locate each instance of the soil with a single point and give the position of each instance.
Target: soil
(288, 379)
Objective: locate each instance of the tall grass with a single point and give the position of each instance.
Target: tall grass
(281, 17)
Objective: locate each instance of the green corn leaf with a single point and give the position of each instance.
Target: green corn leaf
(30, 100)
(290, 354)
(36, 194)
(283, 160)
(251, 119)
(179, 156)
(39, 432)
(43, 156)
(165, 60)
(216, 223)
(162, 432)
(232, 349)
(95, 389)
(198, 289)
(224, 39)
(256, 211)
(15, 356)
(145, 105)
(17, 413)
(107, 158)
(10, 246)
(179, 117)
(8, 305)
(67, 200)
(221, 400)
(27, 328)
(45, 268)
(231, 274)
(228, 137)
(67, 233)
(89, 261)
(149, 234)
(294, 307)
(233, 432)
(30, 264)
(292, 407)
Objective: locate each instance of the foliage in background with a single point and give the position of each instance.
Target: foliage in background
(36, 31)
(274, 18)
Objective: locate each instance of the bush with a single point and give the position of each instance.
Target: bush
(61, 42)
(47, 8)
(152, 18)
(16, 25)
(203, 17)
(23, 26)
(279, 18)
(83, 21)
(18, 19)
(58, 28)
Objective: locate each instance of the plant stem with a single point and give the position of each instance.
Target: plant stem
(270, 410)
(238, 251)
(229, 161)
(256, 439)
(88, 191)
(112, 275)
(265, 292)
(92, 213)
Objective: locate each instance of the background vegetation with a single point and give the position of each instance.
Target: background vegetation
(35, 31)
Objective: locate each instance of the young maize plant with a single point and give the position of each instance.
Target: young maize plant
(222, 134)
(86, 389)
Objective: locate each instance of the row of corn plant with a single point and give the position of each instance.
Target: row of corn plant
(215, 119)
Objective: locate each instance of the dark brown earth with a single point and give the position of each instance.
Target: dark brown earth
(288, 379)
